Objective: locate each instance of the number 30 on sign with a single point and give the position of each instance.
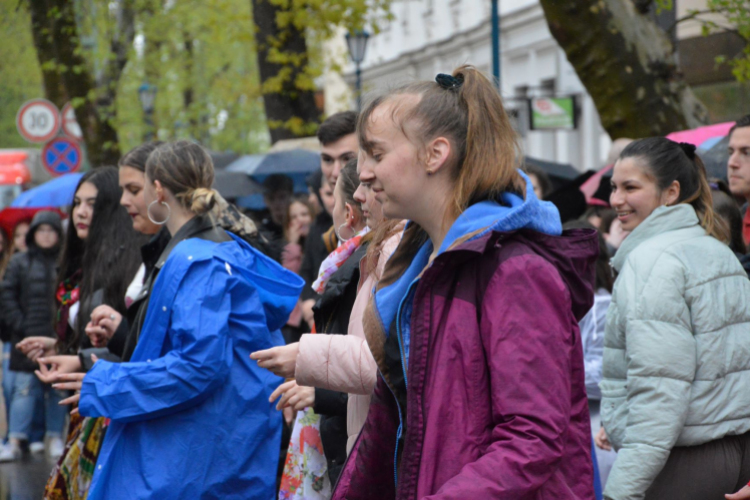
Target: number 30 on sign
(38, 120)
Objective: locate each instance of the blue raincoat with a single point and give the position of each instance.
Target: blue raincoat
(190, 412)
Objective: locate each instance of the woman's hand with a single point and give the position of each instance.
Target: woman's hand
(103, 325)
(279, 360)
(292, 395)
(307, 312)
(743, 494)
(294, 233)
(70, 382)
(602, 441)
(57, 365)
(36, 347)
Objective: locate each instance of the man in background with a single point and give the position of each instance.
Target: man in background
(338, 144)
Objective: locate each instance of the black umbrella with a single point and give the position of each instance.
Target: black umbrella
(559, 173)
(233, 185)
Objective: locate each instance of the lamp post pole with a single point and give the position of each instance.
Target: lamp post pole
(359, 88)
(357, 43)
(147, 96)
(495, 20)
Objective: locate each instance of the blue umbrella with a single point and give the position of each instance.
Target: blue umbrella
(55, 193)
(295, 163)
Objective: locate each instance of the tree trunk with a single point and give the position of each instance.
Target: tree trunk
(41, 29)
(282, 58)
(627, 64)
(57, 42)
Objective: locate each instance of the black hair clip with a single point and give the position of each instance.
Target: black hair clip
(449, 82)
(689, 149)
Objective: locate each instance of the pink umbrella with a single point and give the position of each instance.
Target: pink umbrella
(700, 135)
(592, 185)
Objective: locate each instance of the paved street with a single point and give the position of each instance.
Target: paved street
(25, 479)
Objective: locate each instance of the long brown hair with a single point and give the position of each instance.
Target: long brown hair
(470, 114)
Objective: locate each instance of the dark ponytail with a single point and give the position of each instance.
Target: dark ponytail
(667, 161)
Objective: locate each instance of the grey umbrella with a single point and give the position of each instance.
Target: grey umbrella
(716, 159)
(232, 185)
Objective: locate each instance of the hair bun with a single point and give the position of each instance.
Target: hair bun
(202, 200)
(689, 149)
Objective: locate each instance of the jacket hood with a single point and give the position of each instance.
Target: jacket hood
(574, 255)
(278, 289)
(661, 220)
(43, 217)
(510, 212)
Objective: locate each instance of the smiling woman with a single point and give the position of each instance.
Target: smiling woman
(679, 306)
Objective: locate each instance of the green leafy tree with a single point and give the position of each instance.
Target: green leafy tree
(627, 64)
(286, 30)
(20, 75)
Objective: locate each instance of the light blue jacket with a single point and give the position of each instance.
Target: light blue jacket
(190, 412)
(676, 349)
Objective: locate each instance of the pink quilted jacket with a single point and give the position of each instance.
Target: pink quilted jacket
(343, 362)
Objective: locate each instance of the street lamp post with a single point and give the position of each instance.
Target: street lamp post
(495, 21)
(357, 42)
(147, 96)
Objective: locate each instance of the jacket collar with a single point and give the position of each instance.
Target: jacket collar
(192, 228)
(662, 220)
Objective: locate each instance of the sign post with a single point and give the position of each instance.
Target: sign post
(61, 156)
(38, 120)
(70, 126)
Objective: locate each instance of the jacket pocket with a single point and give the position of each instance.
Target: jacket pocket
(614, 410)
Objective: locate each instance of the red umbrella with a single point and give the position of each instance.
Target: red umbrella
(10, 217)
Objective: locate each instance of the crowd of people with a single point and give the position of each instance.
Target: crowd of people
(422, 324)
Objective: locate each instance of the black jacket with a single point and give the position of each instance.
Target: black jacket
(28, 292)
(332, 313)
(155, 254)
(314, 254)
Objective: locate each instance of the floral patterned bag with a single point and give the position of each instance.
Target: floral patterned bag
(305, 475)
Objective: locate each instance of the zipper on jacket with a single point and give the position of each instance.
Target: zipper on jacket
(398, 329)
(398, 434)
(403, 367)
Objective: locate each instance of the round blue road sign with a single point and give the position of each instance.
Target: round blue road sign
(61, 156)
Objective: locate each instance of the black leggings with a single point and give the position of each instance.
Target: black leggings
(704, 472)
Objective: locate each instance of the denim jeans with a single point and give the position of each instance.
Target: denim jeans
(29, 393)
(37, 425)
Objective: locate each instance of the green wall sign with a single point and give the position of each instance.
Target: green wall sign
(553, 113)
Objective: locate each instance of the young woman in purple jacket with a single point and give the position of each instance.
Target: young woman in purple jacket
(474, 324)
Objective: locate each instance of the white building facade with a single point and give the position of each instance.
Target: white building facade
(427, 37)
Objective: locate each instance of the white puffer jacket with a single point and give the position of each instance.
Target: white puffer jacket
(676, 368)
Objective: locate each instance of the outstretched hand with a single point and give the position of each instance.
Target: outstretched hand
(71, 382)
(293, 396)
(743, 494)
(279, 360)
(57, 366)
(36, 347)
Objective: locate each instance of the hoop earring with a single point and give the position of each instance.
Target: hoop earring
(338, 233)
(148, 212)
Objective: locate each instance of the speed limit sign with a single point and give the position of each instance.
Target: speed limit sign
(38, 120)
